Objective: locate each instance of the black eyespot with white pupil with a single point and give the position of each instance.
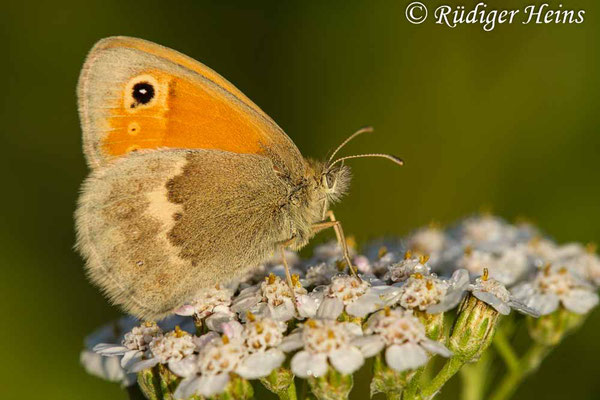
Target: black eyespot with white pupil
(143, 92)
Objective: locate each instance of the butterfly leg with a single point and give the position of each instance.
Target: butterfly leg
(339, 233)
(288, 276)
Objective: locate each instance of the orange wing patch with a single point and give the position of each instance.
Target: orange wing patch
(135, 94)
(158, 109)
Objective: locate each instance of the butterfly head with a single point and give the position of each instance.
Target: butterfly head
(335, 181)
(335, 176)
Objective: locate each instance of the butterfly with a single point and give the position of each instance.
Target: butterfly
(191, 183)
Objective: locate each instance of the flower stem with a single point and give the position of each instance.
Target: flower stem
(474, 377)
(412, 388)
(528, 364)
(505, 350)
(450, 368)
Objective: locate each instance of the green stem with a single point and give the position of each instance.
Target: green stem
(505, 350)
(450, 368)
(528, 364)
(474, 378)
(427, 372)
(412, 389)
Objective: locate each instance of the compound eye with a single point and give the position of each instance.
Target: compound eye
(330, 180)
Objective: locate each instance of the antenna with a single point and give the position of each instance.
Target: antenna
(388, 156)
(366, 129)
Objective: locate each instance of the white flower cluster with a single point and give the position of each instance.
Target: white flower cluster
(333, 320)
(517, 267)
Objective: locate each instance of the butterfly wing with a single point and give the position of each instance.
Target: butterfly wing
(134, 95)
(158, 226)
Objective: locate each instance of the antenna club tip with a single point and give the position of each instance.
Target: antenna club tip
(396, 159)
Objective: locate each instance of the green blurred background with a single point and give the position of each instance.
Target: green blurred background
(505, 119)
